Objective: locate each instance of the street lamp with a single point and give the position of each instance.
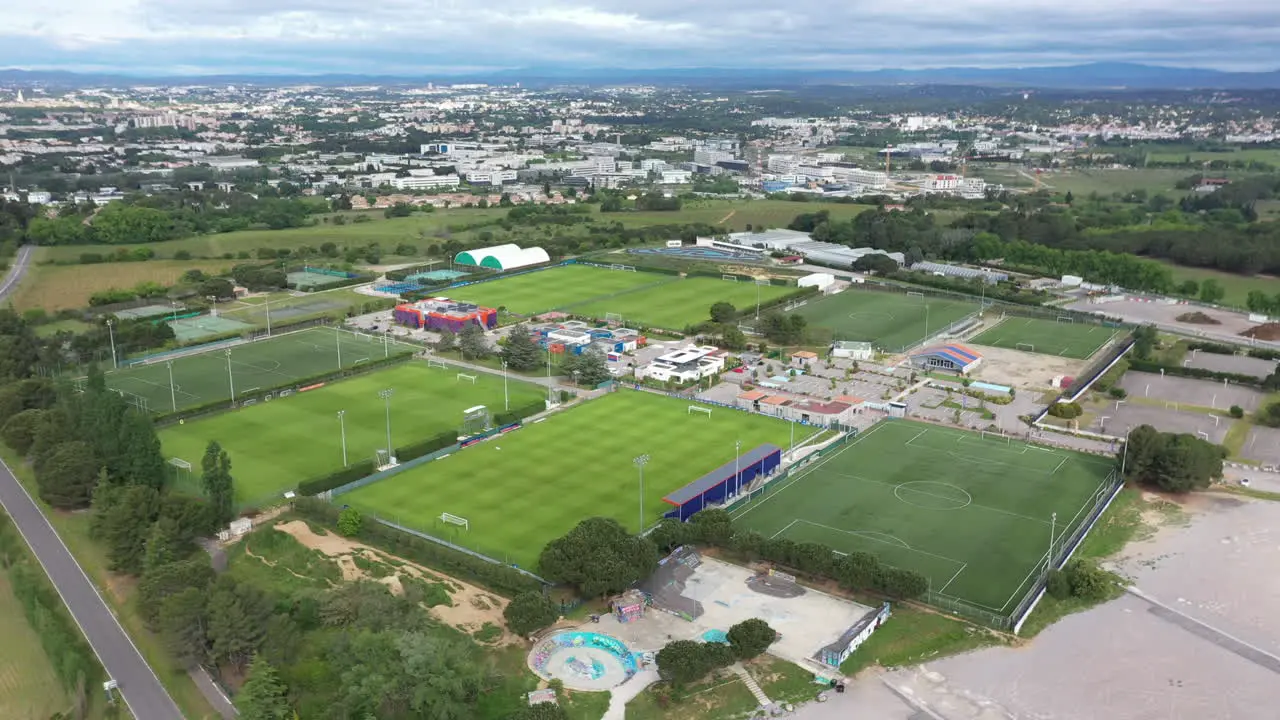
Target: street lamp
(575, 378)
(111, 333)
(231, 381)
(641, 461)
(506, 402)
(386, 397)
(342, 427)
(173, 396)
(737, 473)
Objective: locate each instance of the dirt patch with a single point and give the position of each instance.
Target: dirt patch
(471, 608)
(1197, 318)
(1269, 331)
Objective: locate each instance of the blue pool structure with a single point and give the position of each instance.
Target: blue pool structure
(716, 636)
(584, 660)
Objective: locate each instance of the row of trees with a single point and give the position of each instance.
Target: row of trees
(685, 661)
(1172, 462)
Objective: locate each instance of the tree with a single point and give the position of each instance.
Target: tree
(875, 263)
(723, 313)
(1088, 581)
(66, 479)
(1211, 291)
(448, 341)
(263, 695)
(591, 367)
(540, 711)
(218, 485)
(520, 351)
(122, 518)
(1269, 415)
(183, 620)
(1144, 341)
(1171, 462)
(349, 522)
(19, 432)
(685, 661)
(530, 612)
(599, 557)
(1260, 302)
(234, 632)
(733, 339)
(219, 288)
(165, 581)
(167, 542)
(472, 343)
(1236, 412)
(1188, 288)
(1070, 199)
(751, 637)
(713, 527)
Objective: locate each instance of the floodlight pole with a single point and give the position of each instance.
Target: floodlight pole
(173, 396)
(337, 342)
(737, 472)
(757, 298)
(231, 381)
(641, 461)
(268, 304)
(1053, 530)
(112, 334)
(506, 401)
(386, 397)
(342, 427)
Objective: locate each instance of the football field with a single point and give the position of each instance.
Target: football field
(1063, 337)
(555, 288)
(974, 513)
(275, 445)
(255, 366)
(685, 302)
(892, 321)
(521, 490)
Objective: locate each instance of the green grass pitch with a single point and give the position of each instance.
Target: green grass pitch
(685, 302)
(893, 321)
(202, 378)
(273, 446)
(555, 288)
(1048, 337)
(973, 514)
(522, 490)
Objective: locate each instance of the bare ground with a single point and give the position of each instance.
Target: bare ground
(471, 608)
(1023, 369)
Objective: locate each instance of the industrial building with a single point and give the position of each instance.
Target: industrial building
(503, 257)
(948, 358)
(990, 276)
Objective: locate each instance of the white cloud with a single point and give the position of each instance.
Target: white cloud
(326, 35)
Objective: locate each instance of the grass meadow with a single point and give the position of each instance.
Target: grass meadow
(273, 446)
(28, 686)
(62, 287)
(1048, 337)
(521, 490)
(973, 514)
(892, 321)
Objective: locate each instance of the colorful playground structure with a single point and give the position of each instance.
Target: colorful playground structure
(584, 660)
(444, 314)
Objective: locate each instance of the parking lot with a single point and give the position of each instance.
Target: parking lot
(1263, 446)
(1119, 417)
(1242, 364)
(1188, 391)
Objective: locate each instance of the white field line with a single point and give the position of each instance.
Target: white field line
(953, 578)
(788, 527)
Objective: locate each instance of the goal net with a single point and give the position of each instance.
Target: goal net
(469, 378)
(916, 295)
(626, 268)
(613, 319)
(432, 362)
(1065, 319)
(699, 409)
(730, 278)
(998, 437)
(1027, 347)
(383, 459)
(451, 519)
(763, 281)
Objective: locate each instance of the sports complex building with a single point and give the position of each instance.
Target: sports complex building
(949, 358)
(444, 314)
(725, 482)
(503, 257)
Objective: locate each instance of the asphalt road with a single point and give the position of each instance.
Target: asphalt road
(146, 697)
(19, 268)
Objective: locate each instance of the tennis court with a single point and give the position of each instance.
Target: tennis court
(246, 368)
(973, 512)
(198, 328)
(1065, 336)
(892, 321)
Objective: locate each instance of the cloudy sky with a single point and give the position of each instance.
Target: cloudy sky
(434, 36)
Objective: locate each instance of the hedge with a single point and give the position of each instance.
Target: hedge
(348, 474)
(781, 300)
(518, 414)
(501, 579)
(217, 405)
(424, 447)
(1209, 347)
(1264, 354)
(1199, 373)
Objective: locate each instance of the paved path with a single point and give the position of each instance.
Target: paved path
(146, 697)
(21, 263)
(213, 693)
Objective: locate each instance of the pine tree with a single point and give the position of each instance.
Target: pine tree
(520, 351)
(218, 483)
(167, 542)
(184, 622)
(264, 696)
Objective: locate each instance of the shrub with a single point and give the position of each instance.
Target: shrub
(349, 522)
(530, 612)
(1088, 581)
(1118, 393)
(1066, 410)
(751, 637)
(1058, 585)
(1236, 411)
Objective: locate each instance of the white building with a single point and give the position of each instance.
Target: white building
(870, 178)
(655, 164)
(822, 281)
(675, 177)
(684, 365)
(711, 157)
(426, 182)
(852, 350)
(490, 177)
(782, 164)
(942, 183)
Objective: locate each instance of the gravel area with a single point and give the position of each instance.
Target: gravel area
(1118, 419)
(1242, 364)
(1205, 393)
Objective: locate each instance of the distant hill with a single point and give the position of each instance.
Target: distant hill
(1091, 76)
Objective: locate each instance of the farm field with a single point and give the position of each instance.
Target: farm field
(1049, 337)
(270, 362)
(1082, 182)
(1237, 287)
(555, 288)
(28, 686)
(684, 302)
(974, 514)
(61, 287)
(892, 321)
(273, 446)
(522, 490)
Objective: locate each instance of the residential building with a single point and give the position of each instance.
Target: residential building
(684, 365)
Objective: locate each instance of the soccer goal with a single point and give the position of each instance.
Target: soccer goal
(469, 378)
(432, 362)
(998, 437)
(624, 268)
(1066, 319)
(181, 471)
(476, 420)
(730, 278)
(1025, 347)
(699, 409)
(916, 295)
(383, 459)
(451, 519)
(613, 319)
(763, 281)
